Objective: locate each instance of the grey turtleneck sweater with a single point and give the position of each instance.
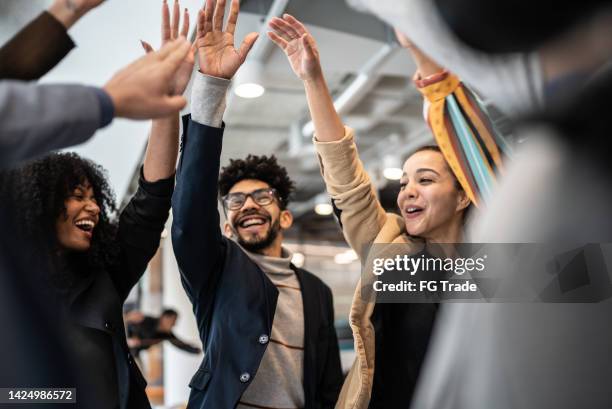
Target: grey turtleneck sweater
(278, 383)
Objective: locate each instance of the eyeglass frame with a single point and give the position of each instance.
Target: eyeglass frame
(273, 191)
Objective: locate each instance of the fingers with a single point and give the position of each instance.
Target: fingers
(173, 103)
(208, 16)
(176, 16)
(217, 21)
(147, 47)
(171, 47)
(295, 24)
(287, 28)
(185, 30)
(246, 45)
(174, 59)
(279, 26)
(165, 29)
(233, 17)
(276, 39)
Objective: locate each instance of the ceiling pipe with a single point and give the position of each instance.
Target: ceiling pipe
(262, 47)
(366, 80)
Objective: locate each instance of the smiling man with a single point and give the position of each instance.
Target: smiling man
(267, 326)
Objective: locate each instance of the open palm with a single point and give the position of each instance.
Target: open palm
(217, 55)
(170, 32)
(299, 46)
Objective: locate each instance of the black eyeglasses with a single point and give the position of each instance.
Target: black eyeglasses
(235, 201)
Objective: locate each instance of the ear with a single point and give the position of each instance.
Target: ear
(286, 219)
(227, 229)
(463, 201)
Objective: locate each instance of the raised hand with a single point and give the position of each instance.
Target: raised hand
(170, 32)
(140, 90)
(299, 46)
(217, 55)
(69, 12)
(425, 65)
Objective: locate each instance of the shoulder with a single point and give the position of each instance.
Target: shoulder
(315, 282)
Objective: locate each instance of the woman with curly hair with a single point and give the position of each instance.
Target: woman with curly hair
(64, 208)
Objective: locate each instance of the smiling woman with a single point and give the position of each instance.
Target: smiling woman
(64, 204)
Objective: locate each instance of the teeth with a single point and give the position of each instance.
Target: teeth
(252, 222)
(85, 223)
(413, 209)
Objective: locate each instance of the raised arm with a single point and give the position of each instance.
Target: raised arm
(196, 233)
(349, 186)
(44, 42)
(67, 115)
(460, 125)
(144, 218)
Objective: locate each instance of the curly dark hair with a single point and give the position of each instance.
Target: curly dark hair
(36, 193)
(264, 168)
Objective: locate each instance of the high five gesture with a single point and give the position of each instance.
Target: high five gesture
(301, 51)
(299, 46)
(169, 32)
(217, 55)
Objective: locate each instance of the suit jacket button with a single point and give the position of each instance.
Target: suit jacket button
(108, 325)
(263, 339)
(245, 377)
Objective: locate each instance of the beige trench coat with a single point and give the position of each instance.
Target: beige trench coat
(364, 222)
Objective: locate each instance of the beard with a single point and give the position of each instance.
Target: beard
(256, 244)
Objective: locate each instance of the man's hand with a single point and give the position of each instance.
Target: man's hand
(140, 90)
(69, 12)
(169, 32)
(217, 55)
(299, 46)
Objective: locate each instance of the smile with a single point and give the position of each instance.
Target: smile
(87, 225)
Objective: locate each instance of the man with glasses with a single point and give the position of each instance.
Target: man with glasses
(267, 327)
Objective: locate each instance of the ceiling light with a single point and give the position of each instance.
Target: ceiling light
(392, 173)
(346, 257)
(392, 168)
(324, 209)
(298, 259)
(248, 81)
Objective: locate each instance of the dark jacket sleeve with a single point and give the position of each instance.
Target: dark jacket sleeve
(35, 50)
(196, 234)
(140, 226)
(332, 379)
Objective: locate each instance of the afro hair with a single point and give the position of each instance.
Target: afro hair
(262, 168)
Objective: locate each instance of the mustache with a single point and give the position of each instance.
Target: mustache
(252, 212)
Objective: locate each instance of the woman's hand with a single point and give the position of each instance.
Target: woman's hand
(170, 32)
(299, 46)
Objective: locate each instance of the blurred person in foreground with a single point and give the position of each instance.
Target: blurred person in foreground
(390, 339)
(64, 208)
(557, 191)
(145, 331)
(267, 326)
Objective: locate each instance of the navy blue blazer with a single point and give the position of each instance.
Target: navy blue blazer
(233, 300)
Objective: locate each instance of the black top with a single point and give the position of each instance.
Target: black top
(107, 374)
(402, 333)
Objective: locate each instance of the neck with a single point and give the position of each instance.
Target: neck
(451, 233)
